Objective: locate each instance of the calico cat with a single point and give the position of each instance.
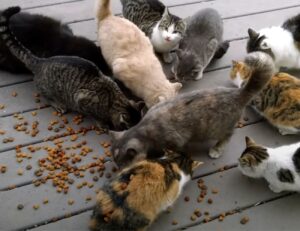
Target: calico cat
(278, 102)
(73, 83)
(130, 55)
(279, 166)
(135, 197)
(202, 43)
(46, 37)
(196, 116)
(281, 42)
(165, 30)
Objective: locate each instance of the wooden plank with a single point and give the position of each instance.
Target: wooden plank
(7, 78)
(280, 215)
(44, 117)
(32, 3)
(9, 158)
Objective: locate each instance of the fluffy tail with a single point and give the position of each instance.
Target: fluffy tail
(262, 69)
(102, 9)
(15, 47)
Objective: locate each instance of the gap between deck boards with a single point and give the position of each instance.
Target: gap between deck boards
(50, 4)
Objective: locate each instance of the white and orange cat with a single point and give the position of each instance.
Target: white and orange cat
(278, 102)
(131, 57)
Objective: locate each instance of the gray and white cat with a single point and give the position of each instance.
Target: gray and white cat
(279, 166)
(201, 43)
(196, 116)
(281, 42)
(165, 30)
(73, 83)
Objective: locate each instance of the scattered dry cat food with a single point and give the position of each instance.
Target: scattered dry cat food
(88, 198)
(186, 198)
(45, 201)
(207, 219)
(198, 213)
(14, 94)
(28, 167)
(8, 140)
(193, 217)
(174, 222)
(20, 207)
(2, 132)
(20, 172)
(244, 220)
(71, 201)
(214, 191)
(209, 201)
(108, 175)
(36, 206)
(95, 178)
(3, 169)
(2, 106)
(34, 113)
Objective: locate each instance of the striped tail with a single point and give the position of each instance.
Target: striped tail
(15, 47)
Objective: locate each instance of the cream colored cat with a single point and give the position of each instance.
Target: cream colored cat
(130, 55)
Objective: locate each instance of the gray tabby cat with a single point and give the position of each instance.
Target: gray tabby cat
(202, 43)
(165, 30)
(196, 116)
(73, 83)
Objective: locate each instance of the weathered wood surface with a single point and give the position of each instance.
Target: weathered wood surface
(235, 192)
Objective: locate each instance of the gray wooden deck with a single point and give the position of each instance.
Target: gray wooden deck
(230, 192)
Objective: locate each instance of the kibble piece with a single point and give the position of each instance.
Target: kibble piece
(174, 222)
(28, 167)
(95, 178)
(20, 172)
(244, 220)
(198, 213)
(34, 113)
(3, 169)
(193, 217)
(214, 191)
(20, 206)
(209, 201)
(88, 198)
(186, 198)
(70, 201)
(45, 201)
(14, 94)
(2, 106)
(36, 207)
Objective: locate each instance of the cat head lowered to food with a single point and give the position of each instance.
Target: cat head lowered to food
(253, 160)
(139, 193)
(240, 73)
(188, 66)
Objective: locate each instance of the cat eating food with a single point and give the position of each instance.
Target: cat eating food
(135, 197)
(278, 102)
(46, 37)
(196, 116)
(73, 83)
(279, 166)
(202, 43)
(130, 55)
(165, 30)
(281, 42)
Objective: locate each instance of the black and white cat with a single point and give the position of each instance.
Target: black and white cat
(281, 42)
(279, 166)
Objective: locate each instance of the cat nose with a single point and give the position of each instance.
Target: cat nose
(168, 39)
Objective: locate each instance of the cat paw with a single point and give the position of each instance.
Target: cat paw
(215, 154)
(59, 108)
(199, 76)
(274, 189)
(168, 58)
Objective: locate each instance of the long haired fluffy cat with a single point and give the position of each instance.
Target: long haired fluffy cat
(196, 116)
(281, 42)
(165, 30)
(202, 42)
(73, 83)
(278, 102)
(279, 166)
(130, 55)
(135, 197)
(46, 37)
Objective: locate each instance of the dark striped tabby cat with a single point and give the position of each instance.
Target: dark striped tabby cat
(73, 83)
(165, 30)
(197, 116)
(46, 37)
(278, 102)
(281, 42)
(279, 166)
(135, 197)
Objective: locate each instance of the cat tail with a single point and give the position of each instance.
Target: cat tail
(262, 68)
(102, 9)
(15, 47)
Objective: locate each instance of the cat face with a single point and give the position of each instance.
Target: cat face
(187, 67)
(258, 42)
(171, 28)
(239, 73)
(252, 160)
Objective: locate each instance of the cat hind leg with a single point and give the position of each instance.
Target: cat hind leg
(216, 151)
(221, 50)
(288, 131)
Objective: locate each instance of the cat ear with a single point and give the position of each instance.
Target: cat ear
(131, 152)
(196, 164)
(234, 63)
(177, 86)
(249, 141)
(166, 12)
(139, 105)
(264, 45)
(116, 135)
(253, 34)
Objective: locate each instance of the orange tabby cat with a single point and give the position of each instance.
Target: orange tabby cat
(130, 55)
(278, 102)
(135, 197)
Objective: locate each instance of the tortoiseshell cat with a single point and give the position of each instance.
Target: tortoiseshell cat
(46, 37)
(279, 166)
(73, 83)
(281, 42)
(278, 102)
(196, 116)
(135, 197)
(165, 30)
